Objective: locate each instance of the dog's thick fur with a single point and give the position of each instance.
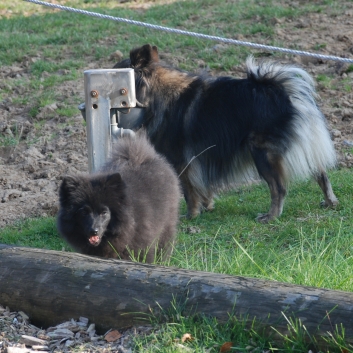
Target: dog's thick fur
(133, 203)
(268, 123)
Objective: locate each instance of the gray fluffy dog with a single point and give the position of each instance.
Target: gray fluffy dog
(128, 210)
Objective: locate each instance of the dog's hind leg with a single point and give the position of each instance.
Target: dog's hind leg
(207, 201)
(191, 196)
(269, 166)
(325, 185)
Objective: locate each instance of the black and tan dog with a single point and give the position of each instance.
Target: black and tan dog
(268, 123)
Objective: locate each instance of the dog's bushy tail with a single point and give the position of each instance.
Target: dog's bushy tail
(311, 150)
(132, 150)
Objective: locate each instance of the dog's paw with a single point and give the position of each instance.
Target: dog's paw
(329, 203)
(208, 208)
(263, 217)
(192, 215)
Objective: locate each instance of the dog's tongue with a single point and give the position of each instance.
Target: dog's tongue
(94, 239)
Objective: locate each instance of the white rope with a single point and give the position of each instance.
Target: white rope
(194, 34)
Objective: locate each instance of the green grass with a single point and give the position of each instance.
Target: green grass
(308, 245)
(185, 332)
(36, 233)
(202, 332)
(8, 141)
(11, 138)
(57, 40)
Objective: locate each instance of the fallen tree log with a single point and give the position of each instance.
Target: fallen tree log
(53, 286)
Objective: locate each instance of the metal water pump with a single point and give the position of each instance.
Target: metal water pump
(109, 110)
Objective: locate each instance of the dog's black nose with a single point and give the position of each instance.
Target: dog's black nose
(94, 231)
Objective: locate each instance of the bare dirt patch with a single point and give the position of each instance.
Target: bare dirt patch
(30, 171)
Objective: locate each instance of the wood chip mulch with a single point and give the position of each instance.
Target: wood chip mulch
(18, 335)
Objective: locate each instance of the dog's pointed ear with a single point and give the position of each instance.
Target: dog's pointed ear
(114, 180)
(155, 56)
(141, 57)
(69, 183)
(67, 187)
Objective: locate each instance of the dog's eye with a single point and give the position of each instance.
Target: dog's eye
(83, 211)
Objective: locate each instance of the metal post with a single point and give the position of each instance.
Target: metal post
(106, 91)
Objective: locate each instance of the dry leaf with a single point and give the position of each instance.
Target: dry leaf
(226, 347)
(184, 348)
(112, 336)
(187, 337)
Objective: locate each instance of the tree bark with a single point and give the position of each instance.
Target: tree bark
(52, 287)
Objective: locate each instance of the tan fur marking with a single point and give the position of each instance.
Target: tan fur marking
(174, 82)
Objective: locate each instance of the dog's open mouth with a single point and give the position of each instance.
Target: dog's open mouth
(94, 240)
